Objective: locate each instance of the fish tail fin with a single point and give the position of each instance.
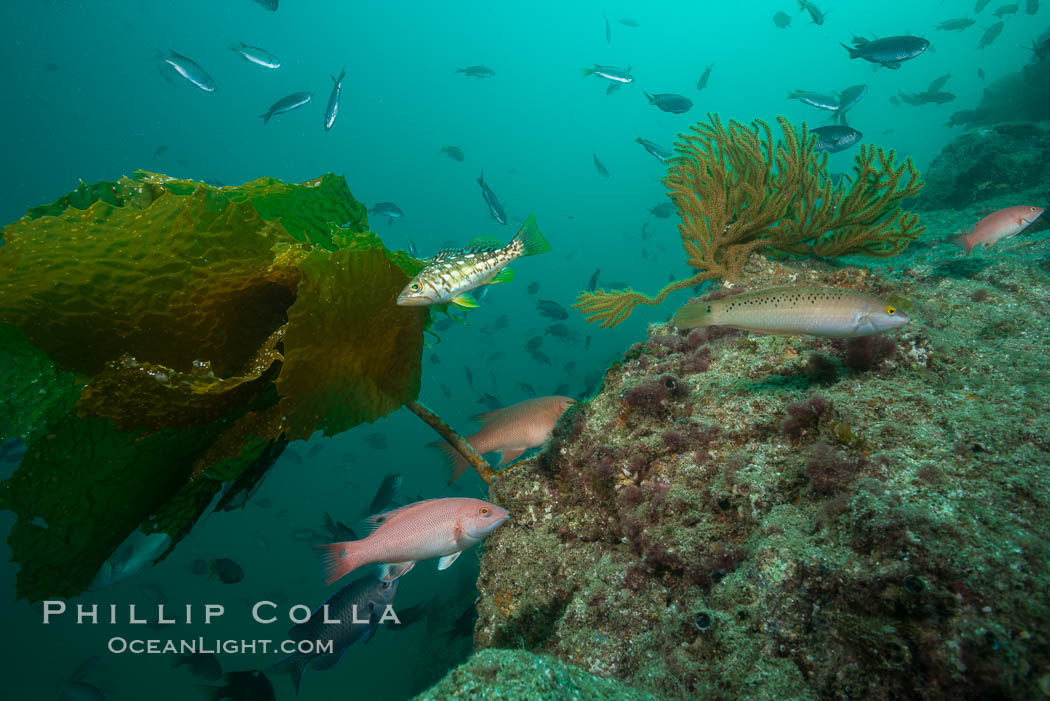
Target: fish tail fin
(234, 46)
(342, 74)
(294, 666)
(531, 239)
(481, 179)
(339, 559)
(266, 117)
(457, 464)
(692, 315)
(853, 53)
(588, 71)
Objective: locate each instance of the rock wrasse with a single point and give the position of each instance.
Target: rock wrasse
(827, 312)
(999, 225)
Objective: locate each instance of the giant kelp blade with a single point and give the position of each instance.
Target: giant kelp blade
(188, 278)
(159, 337)
(351, 354)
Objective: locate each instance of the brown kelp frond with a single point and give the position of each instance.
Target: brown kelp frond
(739, 190)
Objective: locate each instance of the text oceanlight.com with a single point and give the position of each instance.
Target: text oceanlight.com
(136, 646)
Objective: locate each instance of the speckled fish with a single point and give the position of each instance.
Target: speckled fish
(190, 70)
(815, 99)
(452, 273)
(999, 225)
(332, 110)
(441, 528)
(491, 201)
(887, 51)
(287, 104)
(835, 137)
(509, 431)
(359, 608)
(253, 54)
(654, 149)
(670, 102)
(827, 312)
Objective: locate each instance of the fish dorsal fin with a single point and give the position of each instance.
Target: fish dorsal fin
(376, 520)
(446, 561)
(480, 242)
(445, 254)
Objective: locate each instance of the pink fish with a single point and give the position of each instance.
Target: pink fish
(998, 225)
(433, 528)
(509, 431)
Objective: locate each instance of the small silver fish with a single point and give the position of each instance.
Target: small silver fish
(253, 54)
(493, 203)
(654, 149)
(333, 100)
(815, 99)
(617, 75)
(453, 273)
(287, 104)
(827, 312)
(190, 70)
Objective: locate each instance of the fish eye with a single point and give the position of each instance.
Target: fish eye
(485, 511)
(415, 287)
(891, 310)
(1032, 209)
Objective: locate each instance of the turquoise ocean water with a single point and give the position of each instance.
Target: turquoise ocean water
(87, 98)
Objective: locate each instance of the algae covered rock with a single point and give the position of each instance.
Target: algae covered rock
(988, 162)
(516, 674)
(162, 337)
(737, 516)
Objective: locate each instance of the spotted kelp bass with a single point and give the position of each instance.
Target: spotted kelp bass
(452, 273)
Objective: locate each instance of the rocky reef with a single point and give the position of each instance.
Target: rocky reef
(1022, 95)
(987, 162)
(515, 674)
(741, 516)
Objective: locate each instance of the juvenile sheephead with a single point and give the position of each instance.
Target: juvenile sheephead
(509, 431)
(997, 226)
(790, 311)
(441, 528)
(452, 273)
